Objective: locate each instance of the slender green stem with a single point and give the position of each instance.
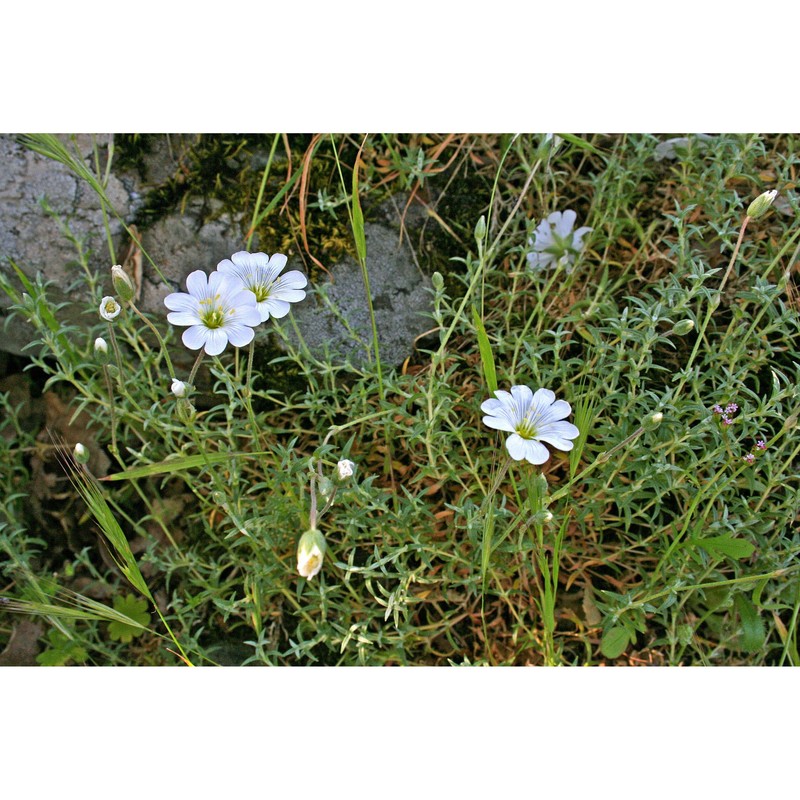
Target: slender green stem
(735, 253)
(158, 336)
(114, 448)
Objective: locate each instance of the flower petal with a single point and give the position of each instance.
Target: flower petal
(197, 283)
(565, 225)
(180, 301)
(239, 335)
(499, 424)
(183, 318)
(216, 341)
(195, 337)
(526, 449)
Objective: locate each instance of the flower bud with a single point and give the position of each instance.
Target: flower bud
(345, 469)
(80, 454)
(480, 229)
(123, 285)
(310, 553)
(790, 423)
(101, 350)
(438, 281)
(186, 411)
(325, 486)
(683, 327)
(178, 388)
(109, 309)
(651, 422)
(761, 204)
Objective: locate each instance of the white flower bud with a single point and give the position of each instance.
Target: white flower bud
(109, 309)
(178, 388)
(101, 349)
(761, 204)
(80, 454)
(123, 285)
(310, 553)
(650, 423)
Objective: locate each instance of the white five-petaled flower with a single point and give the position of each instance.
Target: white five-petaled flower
(109, 309)
(217, 311)
(259, 272)
(554, 242)
(531, 418)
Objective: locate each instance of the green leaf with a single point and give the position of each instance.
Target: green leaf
(754, 635)
(358, 218)
(615, 641)
(136, 609)
(62, 650)
(726, 545)
(487, 356)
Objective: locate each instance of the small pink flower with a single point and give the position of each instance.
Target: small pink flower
(761, 444)
(749, 458)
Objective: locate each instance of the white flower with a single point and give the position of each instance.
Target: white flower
(109, 309)
(554, 242)
(344, 469)
(217, 310)
(258, 272)
(178, 388)
(530, 419)
(310, 553)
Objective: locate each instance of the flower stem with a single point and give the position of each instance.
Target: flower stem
(158, 337)
(735, 253)
(114, 449)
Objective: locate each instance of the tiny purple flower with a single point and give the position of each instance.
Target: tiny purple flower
(731, 408)
(749, 458)
(717, 409)
(727, 420)
(761, 444)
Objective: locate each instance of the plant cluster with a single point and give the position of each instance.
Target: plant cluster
(375, 516)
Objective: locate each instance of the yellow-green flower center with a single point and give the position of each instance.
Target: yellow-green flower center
(211, 314)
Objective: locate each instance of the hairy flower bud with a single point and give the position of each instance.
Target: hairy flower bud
(310, 553)
(123, 285)
(683, 327)
(480, 229)
(761, 204)
(101, 350)
(80, 454)
(438, 281)
(186, 411)
(651, 422)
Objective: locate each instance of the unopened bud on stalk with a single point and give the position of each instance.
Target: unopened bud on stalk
(310, 553)
(683, 327)
(761, 204)
(186, 411)
(480, 229)
(123, 285)
(651, 422)
(791, 422)
(101, 349)
(325, 487)
(80, 454)
(178, 388)
(438, 281)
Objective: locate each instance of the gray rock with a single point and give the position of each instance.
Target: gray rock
(34, 241)
(400, 298)
(31, 237)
